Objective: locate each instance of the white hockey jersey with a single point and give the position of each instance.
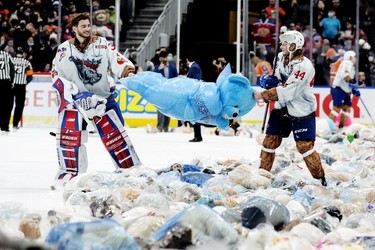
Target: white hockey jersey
(89, 70)
(346, 68)
(296, 92)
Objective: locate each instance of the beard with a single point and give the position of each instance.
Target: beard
(85, 34)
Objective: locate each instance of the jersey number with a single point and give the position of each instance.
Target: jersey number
(299, 75)
(18, 69)
(2, 64)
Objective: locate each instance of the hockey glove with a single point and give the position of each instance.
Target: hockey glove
(355, 90)
(92, 104)
(268, 81)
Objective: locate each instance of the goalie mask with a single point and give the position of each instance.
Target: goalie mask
(294, 39)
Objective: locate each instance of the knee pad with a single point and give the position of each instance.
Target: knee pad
(267, 155)
(71, 152)
(305, 148)
(311, 158)
(346, 110)
(334, 112)
(271, 142)
(116, 140)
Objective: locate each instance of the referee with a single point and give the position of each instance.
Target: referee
(6, 83)
(23, 75)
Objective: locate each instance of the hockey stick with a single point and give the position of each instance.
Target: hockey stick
(364, 105)
(273, 74)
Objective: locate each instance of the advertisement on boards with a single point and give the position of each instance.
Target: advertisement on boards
(41, 106)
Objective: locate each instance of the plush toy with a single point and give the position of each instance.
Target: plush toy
(191, 100)
(100, 27)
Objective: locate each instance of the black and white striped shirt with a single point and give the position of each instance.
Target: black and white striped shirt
(23, 70)
(6, 66)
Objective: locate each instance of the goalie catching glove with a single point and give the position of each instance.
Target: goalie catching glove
(268, 81)
(92, 104)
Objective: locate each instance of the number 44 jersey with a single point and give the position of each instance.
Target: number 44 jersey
(296, 92)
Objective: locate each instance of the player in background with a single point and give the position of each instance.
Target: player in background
(23, 75)
(79, 72)
(295, 105)
(342, 87)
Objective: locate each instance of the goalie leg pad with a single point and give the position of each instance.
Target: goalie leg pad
(311, 158)
(71, 152)
(116, 140)
(267, 155)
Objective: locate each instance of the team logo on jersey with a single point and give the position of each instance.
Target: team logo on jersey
(120, 59)
(87, 70)
(111, 46)
(62, 55)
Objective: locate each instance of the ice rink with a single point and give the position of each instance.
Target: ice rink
(28, 161)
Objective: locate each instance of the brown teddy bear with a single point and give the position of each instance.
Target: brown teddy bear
(100, 26)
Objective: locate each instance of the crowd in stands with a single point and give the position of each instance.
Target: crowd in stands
(334, 27)
(33, 25)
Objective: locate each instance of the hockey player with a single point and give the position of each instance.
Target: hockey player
(295, 105)
(79, 72)
(342, 87)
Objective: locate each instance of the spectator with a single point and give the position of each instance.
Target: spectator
(368, 25)
(169, 71)
(271, 11)
(319, 13)
(155, 58)
(10, 47)
(21, 34)
(348, 36)
(321, 72)
(300, 11)
(4, 12)
(196, 73)
(361, 79)
(216, 67)
(364, 64)
(331, 27)
(264, 30)
(3, 41)
(30, 50)
(26, 14)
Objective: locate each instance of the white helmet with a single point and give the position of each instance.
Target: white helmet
(293, 36)
(348, 55)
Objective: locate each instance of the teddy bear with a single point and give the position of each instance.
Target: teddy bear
(187, 99)
(100, 27)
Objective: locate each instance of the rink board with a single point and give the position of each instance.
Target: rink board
(41, 106)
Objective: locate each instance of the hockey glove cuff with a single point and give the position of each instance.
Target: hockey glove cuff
(268, 81)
